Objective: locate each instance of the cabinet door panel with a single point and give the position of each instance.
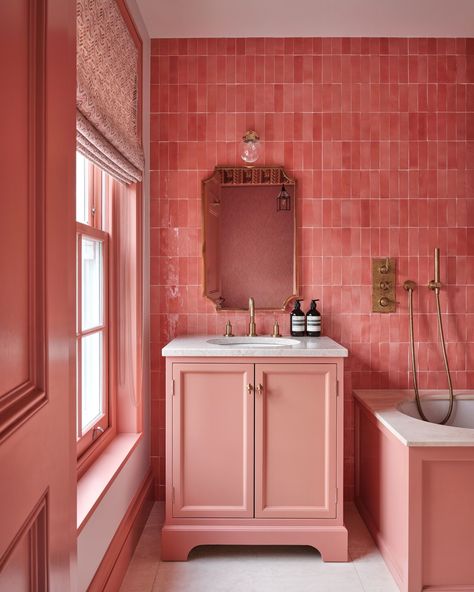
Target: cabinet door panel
(213, 440)
(295, 441)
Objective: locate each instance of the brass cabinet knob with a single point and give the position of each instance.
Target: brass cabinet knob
(249, 389)
(259, 389)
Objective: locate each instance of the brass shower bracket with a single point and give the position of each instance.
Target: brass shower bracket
(383, 285)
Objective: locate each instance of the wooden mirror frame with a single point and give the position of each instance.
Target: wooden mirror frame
(232, 176)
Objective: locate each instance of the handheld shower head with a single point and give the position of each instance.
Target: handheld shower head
(436, 283)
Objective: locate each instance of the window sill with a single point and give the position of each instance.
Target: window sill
(95, 482)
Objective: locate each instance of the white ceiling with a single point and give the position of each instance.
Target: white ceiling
(308, 18)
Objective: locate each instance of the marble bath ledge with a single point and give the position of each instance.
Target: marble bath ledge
(384, 405)
(261, 346)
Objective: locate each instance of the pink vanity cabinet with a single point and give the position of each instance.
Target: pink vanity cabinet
(254, 453)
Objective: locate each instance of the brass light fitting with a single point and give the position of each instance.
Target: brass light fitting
(250, 146)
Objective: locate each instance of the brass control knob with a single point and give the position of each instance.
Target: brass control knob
(384, 301)
(228, 330)
(385, 267)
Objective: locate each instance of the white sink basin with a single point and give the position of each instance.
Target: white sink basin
(253, 341)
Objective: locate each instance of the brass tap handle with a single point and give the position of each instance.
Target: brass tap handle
(384, 301)
(385, 267)
(228, 330)
(276, 329)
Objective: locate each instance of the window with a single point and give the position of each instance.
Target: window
(92, 314)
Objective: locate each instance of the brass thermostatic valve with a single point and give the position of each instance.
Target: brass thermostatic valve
(383, 285)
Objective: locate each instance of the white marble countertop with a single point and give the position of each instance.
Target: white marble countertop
(198, 345)
(409, 430)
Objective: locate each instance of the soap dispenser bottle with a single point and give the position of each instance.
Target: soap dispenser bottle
(313, 320)
(297, 320)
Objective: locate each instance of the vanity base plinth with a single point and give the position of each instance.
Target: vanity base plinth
(177, 541)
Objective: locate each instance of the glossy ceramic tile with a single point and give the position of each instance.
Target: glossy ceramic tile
(379, 135)
(259, 569)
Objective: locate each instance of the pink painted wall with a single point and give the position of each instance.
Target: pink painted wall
(379, 134)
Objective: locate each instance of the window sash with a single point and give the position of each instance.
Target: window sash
(93, 187)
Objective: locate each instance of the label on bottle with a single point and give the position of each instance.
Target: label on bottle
(298, 323)
(313, 324)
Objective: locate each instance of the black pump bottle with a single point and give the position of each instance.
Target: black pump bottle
(313, 320)
(297, 320)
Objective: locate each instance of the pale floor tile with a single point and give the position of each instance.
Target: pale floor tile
(365, 556)
(258, 569)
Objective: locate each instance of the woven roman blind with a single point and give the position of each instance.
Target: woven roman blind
(107, 78)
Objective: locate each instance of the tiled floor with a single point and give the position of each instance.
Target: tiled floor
(258, 569)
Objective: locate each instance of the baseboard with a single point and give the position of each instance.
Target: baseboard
(113, 566)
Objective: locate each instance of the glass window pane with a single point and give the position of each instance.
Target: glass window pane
(82, 189)
(92, 378)
(92, 282)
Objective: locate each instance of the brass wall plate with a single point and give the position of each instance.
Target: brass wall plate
(383, 285)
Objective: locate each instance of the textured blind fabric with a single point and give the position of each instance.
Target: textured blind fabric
(107, 68)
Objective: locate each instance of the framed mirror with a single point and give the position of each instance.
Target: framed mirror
(249, 238)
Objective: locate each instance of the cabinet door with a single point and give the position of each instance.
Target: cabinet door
(213, 416)
(295, 441)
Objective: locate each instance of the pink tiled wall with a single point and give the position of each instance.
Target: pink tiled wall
(379, 134)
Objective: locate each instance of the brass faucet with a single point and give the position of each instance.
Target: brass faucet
(252, 326)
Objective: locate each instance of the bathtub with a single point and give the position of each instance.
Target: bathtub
(436, 408)
(415, 486)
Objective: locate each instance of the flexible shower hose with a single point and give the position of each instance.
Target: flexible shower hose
(409, 287)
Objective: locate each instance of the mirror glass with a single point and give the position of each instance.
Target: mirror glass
(249, 237)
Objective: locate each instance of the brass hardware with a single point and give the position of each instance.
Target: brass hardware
(252, 326)
(409, 286)
(436, 286)
(383, 285)
(249, 389)
(251, 136)
(436, 265)
(436, 283)
(276, 329)
(228, 330)
(385, 267)
(96, 432)
(259, 388)
(250, 150)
